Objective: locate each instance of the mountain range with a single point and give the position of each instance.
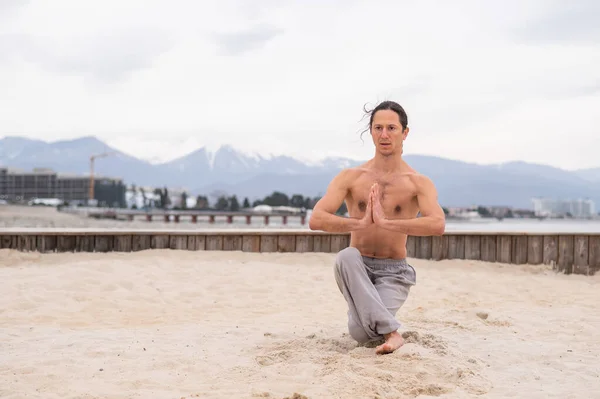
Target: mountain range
(231, 171)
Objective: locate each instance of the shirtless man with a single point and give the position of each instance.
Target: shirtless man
(384, 197)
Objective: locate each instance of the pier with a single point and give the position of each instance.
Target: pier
(566, 252)
(188, 215)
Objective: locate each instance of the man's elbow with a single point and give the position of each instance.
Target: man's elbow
(313, 222)
(439, 227)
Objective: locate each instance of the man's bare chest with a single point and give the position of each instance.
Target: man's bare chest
(395, 195)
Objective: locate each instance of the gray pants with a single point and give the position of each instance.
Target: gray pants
(374, 289)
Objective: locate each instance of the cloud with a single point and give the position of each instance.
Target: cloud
(106, 57)
(237, 43)
(564, 22)
(279, 77)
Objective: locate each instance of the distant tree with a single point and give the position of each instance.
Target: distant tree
(484, 212)
(184, 197)
(246, 203)
(257, 203)
(222, 203)
(277, 199)
(202, 202)
(446, 211)
(143, 196)
(297, 201)
(165, 199)
(309, 203)
(159, 202)
(342, 209)
(234, 205)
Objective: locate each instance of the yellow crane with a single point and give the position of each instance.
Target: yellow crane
(92, 159)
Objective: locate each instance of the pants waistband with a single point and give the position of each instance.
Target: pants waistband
(378, 262)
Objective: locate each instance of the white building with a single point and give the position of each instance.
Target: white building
(579, 208)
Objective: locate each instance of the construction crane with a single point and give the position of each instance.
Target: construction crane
(92, 160)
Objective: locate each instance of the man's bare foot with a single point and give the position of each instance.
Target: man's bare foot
(393, 341)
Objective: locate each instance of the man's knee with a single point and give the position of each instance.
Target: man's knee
(357, 332)
(347, 256)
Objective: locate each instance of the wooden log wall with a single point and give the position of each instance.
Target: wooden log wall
(568, 253)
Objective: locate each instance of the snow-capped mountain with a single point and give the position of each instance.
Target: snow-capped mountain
(232, 171)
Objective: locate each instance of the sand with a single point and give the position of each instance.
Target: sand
(179, 324)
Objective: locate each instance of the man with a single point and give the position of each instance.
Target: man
(384, 197)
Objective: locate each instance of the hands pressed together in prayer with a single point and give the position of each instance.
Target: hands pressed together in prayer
(374, 213)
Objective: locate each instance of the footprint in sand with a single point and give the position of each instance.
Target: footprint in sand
(426, 340)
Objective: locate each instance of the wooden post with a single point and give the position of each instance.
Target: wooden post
(248, 219)
(176, 217)
(194, 218)
(267, 219)
(211, 219)
(149, 218)
(229, 219)
(284, 219)
(167, 218)
(303, 220)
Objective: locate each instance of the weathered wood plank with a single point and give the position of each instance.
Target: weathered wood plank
(140, 242)
(214, 243)
(535, 250)
(424, 247)
(85, 243)
(123, 243)
(26, 243)
(339, 242)
(232, 243)
(411, 246)
(103, 243)
(572, 253)
(504, 249)
(251, 243)
(286, 244)
(304, 243)
(550, 251)
(8, 242)
(594, 254)
(581, 255)
(439, 247)
(322, 243)
(178, 242)
(196, 242)
(48, 243)
(66, 243)
(488, 248)
(473, 247)
(566, 253)
(456, 247)
(519, 249)
(268, 243)
(159, 241)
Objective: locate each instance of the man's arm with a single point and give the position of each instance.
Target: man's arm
(323, 215)
(432, 221)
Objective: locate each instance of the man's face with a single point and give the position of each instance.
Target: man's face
(387, 132)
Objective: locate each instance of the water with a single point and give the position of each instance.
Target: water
(480, 225)
(525, 226)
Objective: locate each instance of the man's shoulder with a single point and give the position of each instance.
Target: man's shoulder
(420, 180)
(352, 172)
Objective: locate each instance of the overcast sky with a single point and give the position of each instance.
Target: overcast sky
(493, 82)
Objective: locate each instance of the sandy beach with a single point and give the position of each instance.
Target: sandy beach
(179, 324)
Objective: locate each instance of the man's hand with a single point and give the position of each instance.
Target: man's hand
(367, 219)
(378, 214)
